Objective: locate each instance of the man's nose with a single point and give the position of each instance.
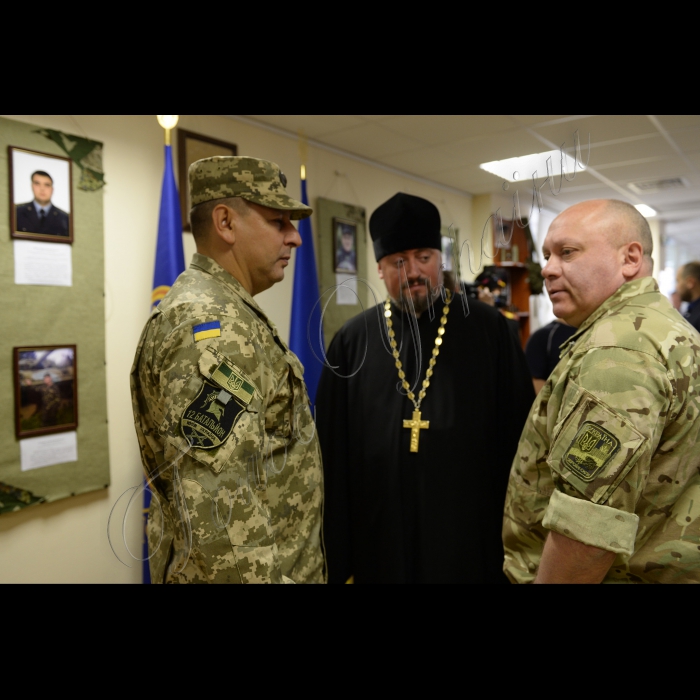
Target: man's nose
(551, 268)
(411, 268)
(292, 238)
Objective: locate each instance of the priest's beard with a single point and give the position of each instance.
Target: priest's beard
(418, 304)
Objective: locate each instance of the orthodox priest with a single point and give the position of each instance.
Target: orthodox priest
(419, 411)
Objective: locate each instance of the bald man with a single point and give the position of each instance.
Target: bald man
(688, 288)
(605, 486)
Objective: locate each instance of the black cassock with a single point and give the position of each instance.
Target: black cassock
(435, 516)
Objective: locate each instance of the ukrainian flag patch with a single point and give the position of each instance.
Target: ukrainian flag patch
(206, 330)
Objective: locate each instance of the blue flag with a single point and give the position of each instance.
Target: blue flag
(170, 256)
(170, 262)
(306, 332)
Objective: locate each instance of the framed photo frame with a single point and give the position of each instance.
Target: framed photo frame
(192, 147)
(46, 389)
(345, 246)
(41, 196)
(447, 253)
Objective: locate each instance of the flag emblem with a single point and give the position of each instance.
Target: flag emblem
(206, 330)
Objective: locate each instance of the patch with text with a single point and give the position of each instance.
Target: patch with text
(209, 419)
(591, 449)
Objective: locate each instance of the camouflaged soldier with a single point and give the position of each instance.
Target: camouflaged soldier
(220, 405)
(50, 401)
(606, 483)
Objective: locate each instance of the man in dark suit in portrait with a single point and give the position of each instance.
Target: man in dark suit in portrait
(345, 256)
(40, 215)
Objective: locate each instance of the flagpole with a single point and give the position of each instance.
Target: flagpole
(168, 265)
(305, 334)
(168, 122)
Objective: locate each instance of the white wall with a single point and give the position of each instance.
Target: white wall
(66, 541)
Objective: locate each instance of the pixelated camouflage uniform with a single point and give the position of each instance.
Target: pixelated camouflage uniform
(248, 510)
(609, 455)
(256, 180)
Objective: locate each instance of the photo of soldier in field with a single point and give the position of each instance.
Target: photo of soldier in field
(46, 398)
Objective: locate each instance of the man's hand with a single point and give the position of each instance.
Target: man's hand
(569, 561)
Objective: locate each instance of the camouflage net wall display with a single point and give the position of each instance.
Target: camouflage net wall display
(34, 315)
(85, 153)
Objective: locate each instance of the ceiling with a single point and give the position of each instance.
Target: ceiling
(446, 150)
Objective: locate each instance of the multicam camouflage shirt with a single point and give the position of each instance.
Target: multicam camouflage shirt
(609, 455)
(227, 438)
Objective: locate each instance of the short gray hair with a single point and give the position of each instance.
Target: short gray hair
(200, 215)
(640, 226)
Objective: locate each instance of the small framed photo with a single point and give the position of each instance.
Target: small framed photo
(41, 196)
(192, 147)
(345, 237)
(447, 253)
(46, 390)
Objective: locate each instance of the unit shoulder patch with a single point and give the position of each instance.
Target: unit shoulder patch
(210, 417)
(591, 449)
(233, 380)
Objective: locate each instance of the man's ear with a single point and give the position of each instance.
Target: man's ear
(633, 259)
(224, 222)
(381, 272)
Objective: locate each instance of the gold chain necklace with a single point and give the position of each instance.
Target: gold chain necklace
(416, 424)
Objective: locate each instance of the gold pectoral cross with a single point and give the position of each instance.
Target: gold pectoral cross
(416, 425)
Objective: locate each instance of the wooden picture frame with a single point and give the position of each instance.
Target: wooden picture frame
(46, 389)
(41, 195)
(192, 147)
(344, 246)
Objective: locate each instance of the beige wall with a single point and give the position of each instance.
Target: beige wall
(67, 541)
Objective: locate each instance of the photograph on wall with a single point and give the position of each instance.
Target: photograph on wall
(192, 147)
(40, 196)
(447, 253)
(46, 395)
(345, 236)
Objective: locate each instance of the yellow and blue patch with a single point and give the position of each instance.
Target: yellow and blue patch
(206, 330)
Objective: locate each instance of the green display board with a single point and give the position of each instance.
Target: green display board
(342, 277)
(34, 315)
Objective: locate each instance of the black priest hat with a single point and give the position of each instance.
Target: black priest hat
(404, 222)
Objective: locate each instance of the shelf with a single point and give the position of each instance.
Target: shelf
(507, 263)
(518, 288)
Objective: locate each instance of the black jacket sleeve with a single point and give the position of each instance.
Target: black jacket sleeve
(332, 425)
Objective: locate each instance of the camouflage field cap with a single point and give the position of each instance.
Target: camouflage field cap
(255, 180)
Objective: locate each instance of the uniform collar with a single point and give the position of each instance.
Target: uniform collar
(627, 291)
(38, 207)
(211, 267)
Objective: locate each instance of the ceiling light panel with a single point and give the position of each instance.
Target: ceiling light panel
(534, 165)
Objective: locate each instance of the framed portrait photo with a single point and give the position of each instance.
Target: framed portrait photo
(192, 147)
(345, 248)
(46, 390)
(447, 253)
(41, 196)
